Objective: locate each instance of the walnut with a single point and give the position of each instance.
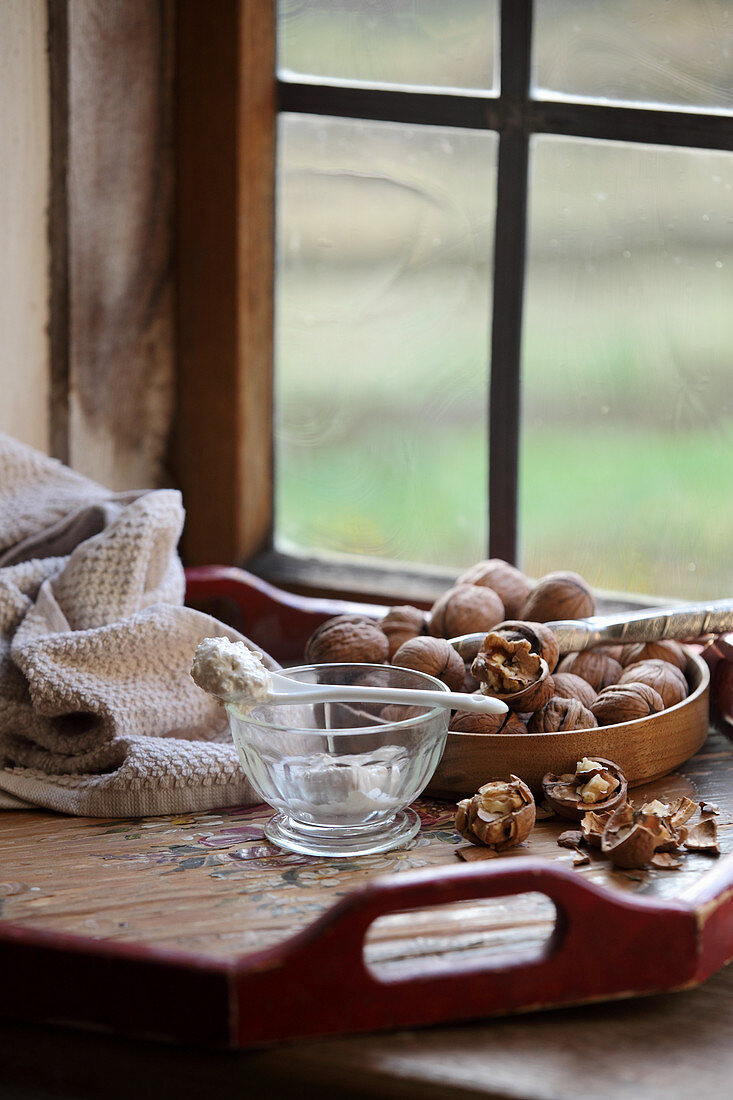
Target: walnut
(402, 623)
(465, 609)
(541, 639)
(435, 656)
(509, 583)
(625, 703)
(398, 712)
(666, 649)
(500, 815)
(592, 665)
(347, 638)
(561, 595)
(512, 672)
(596, 783)
(570, 686)
(558, 715)
(463, 722)
(660, 675)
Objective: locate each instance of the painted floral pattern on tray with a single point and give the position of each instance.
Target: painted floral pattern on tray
(233, 845)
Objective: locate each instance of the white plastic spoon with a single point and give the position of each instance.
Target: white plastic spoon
(236, 675)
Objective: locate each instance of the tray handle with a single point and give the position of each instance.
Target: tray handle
(280, 622)
(645, 946)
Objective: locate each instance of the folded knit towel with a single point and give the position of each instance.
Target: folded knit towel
(98, 713)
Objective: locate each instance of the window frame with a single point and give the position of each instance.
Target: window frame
(229, 97)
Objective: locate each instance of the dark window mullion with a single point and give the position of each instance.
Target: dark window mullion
(508, 290)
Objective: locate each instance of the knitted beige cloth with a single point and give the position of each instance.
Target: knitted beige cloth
(98, 713)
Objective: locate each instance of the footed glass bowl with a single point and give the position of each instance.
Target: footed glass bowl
(342, 775)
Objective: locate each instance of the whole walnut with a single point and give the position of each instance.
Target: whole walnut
(625, 703)
(561, 595)
(509, 583)
(500, 814)
(559, 715)
(463, 722)
(465, 609)
(402, 623)
(347, 638)
(436, 657)
(660, 675)
(592, 665)
(666, 649)
(570, 686)
(398, 712)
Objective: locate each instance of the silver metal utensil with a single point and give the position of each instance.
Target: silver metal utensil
(651, 625)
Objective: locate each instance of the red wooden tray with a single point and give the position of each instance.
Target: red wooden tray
(605, 943)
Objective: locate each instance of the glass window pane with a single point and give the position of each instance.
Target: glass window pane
(385, 238)
(627, 428)
(418, 43)
(676, 55)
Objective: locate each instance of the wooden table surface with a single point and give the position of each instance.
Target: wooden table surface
(666, 1046)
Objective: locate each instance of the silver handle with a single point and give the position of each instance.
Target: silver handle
(684, 621)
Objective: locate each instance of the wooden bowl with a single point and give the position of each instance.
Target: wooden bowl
(644, 749)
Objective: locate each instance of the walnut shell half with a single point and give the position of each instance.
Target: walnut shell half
(541, 639)
(597, 784)
(500, 815)
(509, 670)
(626, 842)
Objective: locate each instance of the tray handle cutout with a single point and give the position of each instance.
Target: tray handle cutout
(604, 944)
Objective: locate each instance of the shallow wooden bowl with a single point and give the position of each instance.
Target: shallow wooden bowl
(644, 749)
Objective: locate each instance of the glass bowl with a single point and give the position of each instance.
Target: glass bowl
(342, 775)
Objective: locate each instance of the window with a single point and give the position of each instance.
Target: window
(503, 269)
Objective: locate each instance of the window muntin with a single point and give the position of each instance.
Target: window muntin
(430, 44)
(383, 276)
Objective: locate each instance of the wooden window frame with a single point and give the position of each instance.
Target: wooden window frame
(228, 98)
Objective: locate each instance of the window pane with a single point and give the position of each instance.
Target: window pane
(672, 54)
(385, 237)
(422, 43)
(627, 430)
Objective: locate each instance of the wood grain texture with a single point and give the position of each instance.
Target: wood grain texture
(24, 182)
(222, 447)
(119, 187)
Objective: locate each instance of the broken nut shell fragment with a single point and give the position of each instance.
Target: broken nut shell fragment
(500, 815)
